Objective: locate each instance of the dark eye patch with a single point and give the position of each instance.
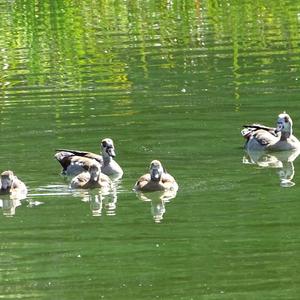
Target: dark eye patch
(104, 144)
(286, 119)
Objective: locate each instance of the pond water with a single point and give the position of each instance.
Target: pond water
(167, 80)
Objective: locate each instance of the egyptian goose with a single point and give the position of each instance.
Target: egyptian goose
(156, 180)
(281, 138)
(93, 178)
(75, 161)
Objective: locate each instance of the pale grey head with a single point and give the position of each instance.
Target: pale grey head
(284, 124)
(108, 148)
(6, 178)
(156, 170)
(95, 171)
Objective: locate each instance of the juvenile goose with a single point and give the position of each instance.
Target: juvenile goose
(10, 184)
(75, 161)
(93, 178)
(156, 180)
(281, 138)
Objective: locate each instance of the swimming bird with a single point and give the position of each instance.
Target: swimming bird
(11, 184)
(75, 161)
(156, 180)
(281, 138)
(93, 178)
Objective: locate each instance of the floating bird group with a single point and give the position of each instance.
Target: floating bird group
(75, 161)
(90, 170)
(93, 170)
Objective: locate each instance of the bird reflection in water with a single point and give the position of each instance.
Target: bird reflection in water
(158, 202)
(9, 203)
(9, 206)
(101, 202)
(283, 161)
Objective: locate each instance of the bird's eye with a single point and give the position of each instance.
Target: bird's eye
(104, 144)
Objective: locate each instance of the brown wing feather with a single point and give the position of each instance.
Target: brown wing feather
(167, 178)
(143, 180)
(65, 156)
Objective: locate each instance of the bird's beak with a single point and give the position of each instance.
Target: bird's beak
(111, 152)
(155, 175)
(279, 127)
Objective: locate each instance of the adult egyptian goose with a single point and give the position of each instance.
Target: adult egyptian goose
(75, 161)
(281, 138)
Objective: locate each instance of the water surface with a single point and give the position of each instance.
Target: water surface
(171, 80)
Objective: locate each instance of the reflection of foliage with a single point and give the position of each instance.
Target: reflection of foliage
(58, 44)
(75, 45)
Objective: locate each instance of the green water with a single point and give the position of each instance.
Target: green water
(167, 80)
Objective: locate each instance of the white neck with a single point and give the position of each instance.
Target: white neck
(107, 159)
(286, 133)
